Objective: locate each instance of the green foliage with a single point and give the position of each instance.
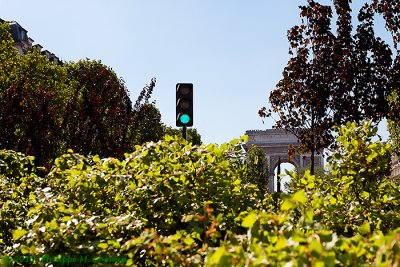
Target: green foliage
(272, 240)
(149, 127)
(360, 158)
(99, 207)
(257, 167)
(394, 130)
(192, 135)
(174, 204)
(18, 182)
(347, 218)
(356, 189)
(393, 125)
(8, 58)
(47, 108)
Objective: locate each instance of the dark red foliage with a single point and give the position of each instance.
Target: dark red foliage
(98, 116)
(28, 122)
(333, 77)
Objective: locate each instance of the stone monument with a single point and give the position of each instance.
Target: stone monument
(276, 142)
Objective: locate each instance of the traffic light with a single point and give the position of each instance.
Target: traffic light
(184, 104)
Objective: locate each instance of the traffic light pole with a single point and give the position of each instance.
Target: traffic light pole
(184, 133)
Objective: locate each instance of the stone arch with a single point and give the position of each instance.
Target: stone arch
(290, 165)
(275, 142)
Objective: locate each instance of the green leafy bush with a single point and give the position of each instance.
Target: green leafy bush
(17, 185)
(357, 188)
(173, 204)
(272, 240)
(94, 207)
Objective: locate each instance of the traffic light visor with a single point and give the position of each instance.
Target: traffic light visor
(184, 103)
(185, 89)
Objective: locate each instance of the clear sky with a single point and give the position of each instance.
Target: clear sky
(233, 51)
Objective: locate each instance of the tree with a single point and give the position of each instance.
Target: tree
(100, 118)
(302, 96)
(9, 58)
(257, 167)
(362, 68)
(148, 126)
(99, 113)
(31, 109)
(33, 93)
(390, 11)
(47, 108)
(330, 78)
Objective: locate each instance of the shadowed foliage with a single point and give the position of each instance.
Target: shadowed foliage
(332, 77)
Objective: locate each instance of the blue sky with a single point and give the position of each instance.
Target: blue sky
(233, 51)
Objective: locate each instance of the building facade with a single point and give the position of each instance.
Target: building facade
(23, 43)
(395, 169)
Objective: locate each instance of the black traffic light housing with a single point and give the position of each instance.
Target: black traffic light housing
(184, 104)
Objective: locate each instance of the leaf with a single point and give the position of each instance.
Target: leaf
(188, 241)
(325, 236)
(315, 246)
(365, 229)
(102, 225)
(51, 225)
(287, 205)
(66, 218)
(249, 220)
(311, 186)
(300, 196)
(216, 256)
(281, 244)
(385, 199)
(17, 234)
(102, 245)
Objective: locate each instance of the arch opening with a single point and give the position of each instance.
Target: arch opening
(284, 178)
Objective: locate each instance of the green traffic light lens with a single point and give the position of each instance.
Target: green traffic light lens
(184, 118)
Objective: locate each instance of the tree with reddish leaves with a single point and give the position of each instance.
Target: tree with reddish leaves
(390, 10)
(46, 108)
(32, 95)
(332, 77)
(362, 66)
(97, 117)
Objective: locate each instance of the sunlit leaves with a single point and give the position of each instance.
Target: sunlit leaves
(91, 205)
(249, 220)
(17, 234)
(173, 204)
